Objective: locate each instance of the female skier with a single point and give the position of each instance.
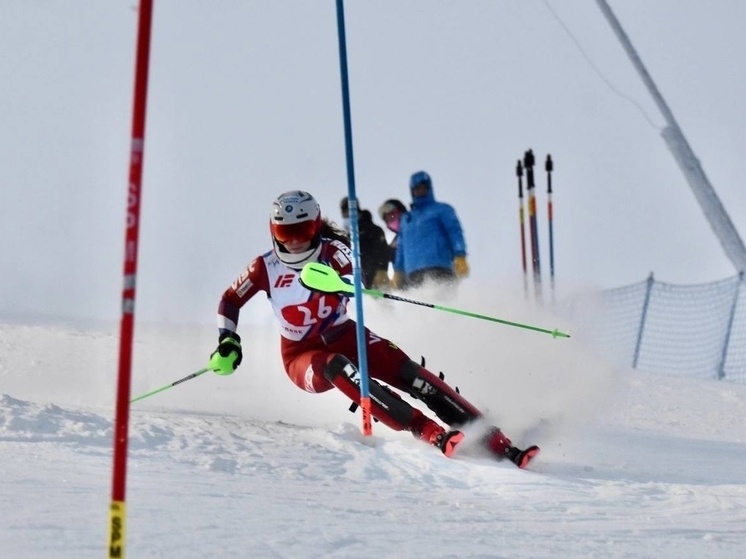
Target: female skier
(318, 338)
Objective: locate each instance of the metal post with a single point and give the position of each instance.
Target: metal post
(731, 318)
(643, 318)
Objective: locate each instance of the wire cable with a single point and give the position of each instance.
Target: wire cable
(598, 71)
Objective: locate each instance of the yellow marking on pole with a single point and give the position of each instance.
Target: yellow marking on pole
(117, 514)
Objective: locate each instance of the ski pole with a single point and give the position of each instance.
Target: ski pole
(319, 277)
(549, 166)
(528, 163)
(519, 174)
(162, 388)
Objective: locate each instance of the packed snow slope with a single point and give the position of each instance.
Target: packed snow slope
(632, 465)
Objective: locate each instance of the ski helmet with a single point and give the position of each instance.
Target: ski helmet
(295, 216)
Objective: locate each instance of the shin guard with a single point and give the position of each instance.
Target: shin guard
(448, 405)
(386, 406)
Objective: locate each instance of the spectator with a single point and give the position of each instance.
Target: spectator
(374, 251)
(391, 212)
(431, 245)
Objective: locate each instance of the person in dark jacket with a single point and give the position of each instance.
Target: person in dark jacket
(431, 245)
(374, 250)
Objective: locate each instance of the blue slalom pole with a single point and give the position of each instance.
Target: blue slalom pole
(354, 233)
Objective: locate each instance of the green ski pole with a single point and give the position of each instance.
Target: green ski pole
(162, 388)
(319, 277)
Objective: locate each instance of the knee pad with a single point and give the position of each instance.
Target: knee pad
(340, 365)
(447, 403)
(386, 405)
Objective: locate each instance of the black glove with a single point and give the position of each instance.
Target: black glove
(228, 343)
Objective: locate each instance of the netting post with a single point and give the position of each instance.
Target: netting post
(731, 318)
(643, 317)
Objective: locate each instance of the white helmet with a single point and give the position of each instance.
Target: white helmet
(296, 216)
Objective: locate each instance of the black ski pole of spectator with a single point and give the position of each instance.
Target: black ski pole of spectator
(549, 166)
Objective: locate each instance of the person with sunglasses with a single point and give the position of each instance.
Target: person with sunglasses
(391, 213)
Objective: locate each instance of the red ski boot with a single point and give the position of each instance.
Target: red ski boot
(500, 445)
(434, 434)
(521, 458)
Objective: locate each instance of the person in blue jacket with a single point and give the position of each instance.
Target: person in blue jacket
(431, 245)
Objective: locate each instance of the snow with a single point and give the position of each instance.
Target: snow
(632, 465)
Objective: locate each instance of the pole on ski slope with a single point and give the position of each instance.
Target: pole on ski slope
(549, 166)
(117, 508)
(528, 163)
(521, 220)
(354, 233)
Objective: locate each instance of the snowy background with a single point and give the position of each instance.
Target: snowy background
(245, 103)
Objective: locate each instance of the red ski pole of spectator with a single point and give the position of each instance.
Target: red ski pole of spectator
(528, 164)
(521, 220)
(549, 166)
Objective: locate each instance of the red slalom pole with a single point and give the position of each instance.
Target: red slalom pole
(549, 166)
(117, 508)
(521, 221)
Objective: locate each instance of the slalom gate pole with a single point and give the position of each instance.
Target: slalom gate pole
(117, 509)
(528, 163)
(521, 220)
(166, 387)
(549, 166)
(319, 277)
(354, 232)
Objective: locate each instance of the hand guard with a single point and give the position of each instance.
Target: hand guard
(461, 266)
(227, 357)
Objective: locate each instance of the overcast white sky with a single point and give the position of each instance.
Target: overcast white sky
(245, 103)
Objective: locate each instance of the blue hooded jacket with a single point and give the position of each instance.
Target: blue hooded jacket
(430, 234)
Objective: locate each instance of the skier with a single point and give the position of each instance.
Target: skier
(318, 339)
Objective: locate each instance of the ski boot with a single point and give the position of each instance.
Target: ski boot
(434, 434)
(500, 445)
(521, 458)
